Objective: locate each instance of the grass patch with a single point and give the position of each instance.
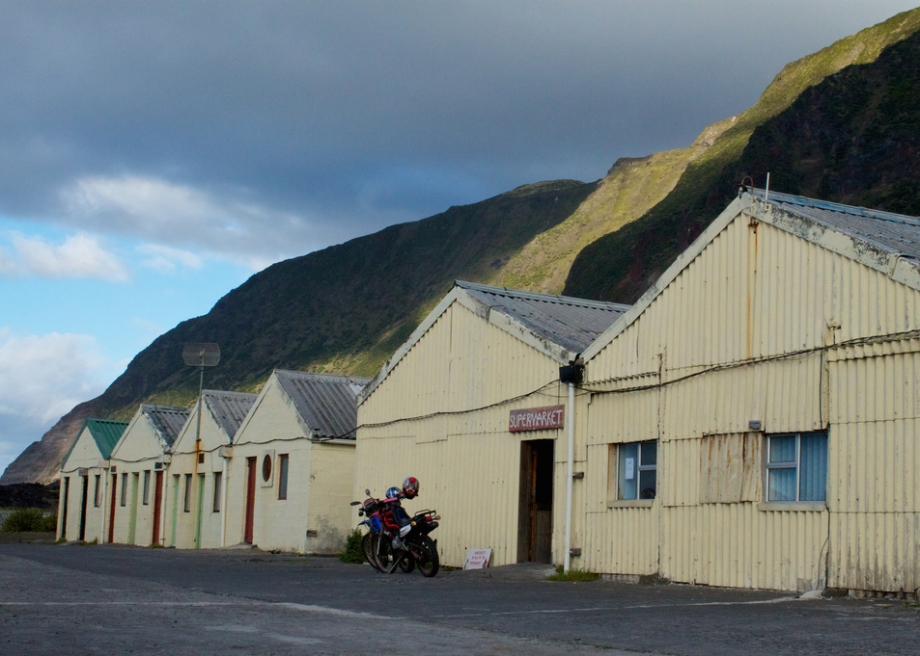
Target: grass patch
(354, 551)
(573, 575)
(29, 520)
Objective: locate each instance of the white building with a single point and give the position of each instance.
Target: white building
(138, 463)
(81, 510)
(196, 495)
(292, 468)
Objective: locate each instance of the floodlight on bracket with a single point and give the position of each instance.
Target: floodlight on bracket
(200, 354)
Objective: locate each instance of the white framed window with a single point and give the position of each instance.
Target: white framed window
(187, 502)
(124, 489)
(146, 487)
(96, 492)
(636, 471)
(796, 467)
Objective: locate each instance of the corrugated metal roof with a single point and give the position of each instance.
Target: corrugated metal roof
(572, 323)
(228, 408)
(106, 433)
(327, 403)
(895, 233)
(166, 420)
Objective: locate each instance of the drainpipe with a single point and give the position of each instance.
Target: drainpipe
(568, 478)
(573, 375)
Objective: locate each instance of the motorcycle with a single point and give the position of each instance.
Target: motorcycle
(396, 540)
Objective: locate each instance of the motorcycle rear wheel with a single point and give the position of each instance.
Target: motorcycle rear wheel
(429, 564)
(368, 545)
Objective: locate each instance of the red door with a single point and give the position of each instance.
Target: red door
(112, 511)
(157, 507)
(250, 499)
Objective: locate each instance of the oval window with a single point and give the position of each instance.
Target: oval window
(266, 468)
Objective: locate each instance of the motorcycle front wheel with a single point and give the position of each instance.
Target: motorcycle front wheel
(428, 564)
(407, 564)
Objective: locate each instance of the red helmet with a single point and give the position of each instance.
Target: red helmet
(410, 487)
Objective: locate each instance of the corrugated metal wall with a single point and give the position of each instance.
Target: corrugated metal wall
(756, 294)
(468, 464)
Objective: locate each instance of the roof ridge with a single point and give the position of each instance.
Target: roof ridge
(777, 197)
(540, 296)
(316, 374)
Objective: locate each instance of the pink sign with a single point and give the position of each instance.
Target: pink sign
(531, 419)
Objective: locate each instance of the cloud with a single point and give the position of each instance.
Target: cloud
(293, 125)
(42, 377)
(80, 256)
(165, 258)
(169, 213)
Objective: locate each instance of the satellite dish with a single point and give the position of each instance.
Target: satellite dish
(199, 354)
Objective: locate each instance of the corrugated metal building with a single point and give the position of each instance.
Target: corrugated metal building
(292, 467)
(196, 491)
(752, 418)
(81, 509)
(440, 410)
(138, 473)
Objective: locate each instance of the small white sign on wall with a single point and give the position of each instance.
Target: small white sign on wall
(630, 469)
(477, 558)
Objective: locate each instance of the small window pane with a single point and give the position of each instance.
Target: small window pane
(146, 487)
(283, 478)
(124, 489)
(649, 453)
(782, 449)
(218, 479)
(628, 479)
(647, 482)
(781, 484)
(187, 506)
(96, 492)
(813, 476)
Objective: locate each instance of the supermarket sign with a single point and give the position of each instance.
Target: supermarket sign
(549, 417)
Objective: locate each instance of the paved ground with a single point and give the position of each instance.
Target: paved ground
(111, 599)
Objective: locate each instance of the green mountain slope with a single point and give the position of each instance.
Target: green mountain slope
(622, 264)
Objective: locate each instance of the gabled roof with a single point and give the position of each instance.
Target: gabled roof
(105, 433)
(167, 421)
(327, 403)
(228, 408)
(561, 327)
(885, 242)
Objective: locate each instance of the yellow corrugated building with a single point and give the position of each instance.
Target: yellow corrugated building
(768, 384)
(440, 410)
(748, 423)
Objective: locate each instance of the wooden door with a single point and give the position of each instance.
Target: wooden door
(83, 508)
(112, 510)
(250, 498)
(157, 507)
(535, 519)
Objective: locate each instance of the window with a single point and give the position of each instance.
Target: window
(283, 476)
(147, 487)
(797, 467)
(218, 479)
(124, 489)
(96, 491)
(187, 504)
(636, 473)
(634, 467)
(267, 467)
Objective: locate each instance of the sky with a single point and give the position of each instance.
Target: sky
(154, 155)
